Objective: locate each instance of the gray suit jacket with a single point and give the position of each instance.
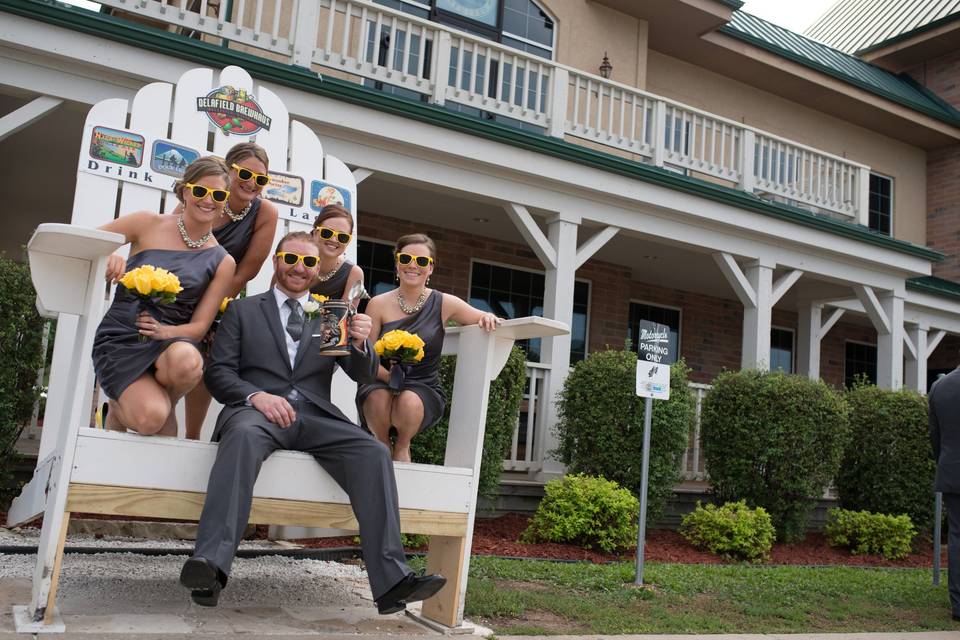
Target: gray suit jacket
(250, 354)
(944, 421)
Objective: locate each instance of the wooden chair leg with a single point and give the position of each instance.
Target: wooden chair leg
(446, 557)
(55, 578)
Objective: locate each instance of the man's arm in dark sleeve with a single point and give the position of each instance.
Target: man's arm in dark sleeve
(223, 373)
(933, 424)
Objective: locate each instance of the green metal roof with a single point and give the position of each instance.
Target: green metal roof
(935, 286)
(820, 57)
(853, 26)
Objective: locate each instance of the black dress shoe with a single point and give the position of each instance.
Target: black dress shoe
(203, 579)
(412, 588)
(956, 618)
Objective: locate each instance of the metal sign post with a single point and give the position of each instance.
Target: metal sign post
(653, 381)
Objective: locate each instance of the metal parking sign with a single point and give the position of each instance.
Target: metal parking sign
(653, 380)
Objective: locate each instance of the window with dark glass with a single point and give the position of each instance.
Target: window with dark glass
(781, 350)
(859, 360)
(661, 315)
(881, 204)
(376, 260)
(515, 293)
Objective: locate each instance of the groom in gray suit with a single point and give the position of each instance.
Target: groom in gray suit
(944, 422)
(276, 395)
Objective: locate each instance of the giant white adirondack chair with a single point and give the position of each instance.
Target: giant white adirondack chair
(86, 470)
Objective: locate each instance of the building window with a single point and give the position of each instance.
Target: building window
(859, 360)
(661, 315)
(376, 260)
(521, 24)
(781, 350)
(515, 293)
(881, 204)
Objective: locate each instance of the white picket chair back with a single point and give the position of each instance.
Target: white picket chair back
(162, 111)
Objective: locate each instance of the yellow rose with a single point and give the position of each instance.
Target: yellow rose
(393, 340)
(378, 347)
(170, 283)
(129, 280)
(416, 342)
(223, 305)
(419, 356)
(143, 281)
(319, 298)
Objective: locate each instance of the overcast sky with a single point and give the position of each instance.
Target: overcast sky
(793, 14)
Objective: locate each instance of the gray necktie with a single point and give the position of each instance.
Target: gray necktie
(295, 321)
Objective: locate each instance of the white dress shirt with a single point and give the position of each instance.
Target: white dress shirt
(282, 298)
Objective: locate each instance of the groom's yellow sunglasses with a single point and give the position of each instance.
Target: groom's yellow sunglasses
(293, 258)
(200, 192)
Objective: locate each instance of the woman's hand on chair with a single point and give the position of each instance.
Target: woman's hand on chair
(116, 267)
(489, 322)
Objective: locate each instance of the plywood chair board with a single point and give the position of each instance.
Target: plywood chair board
(82, 469)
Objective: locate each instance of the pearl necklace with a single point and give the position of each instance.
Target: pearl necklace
(411, 310)
(327, 276)
(236, 217)
(192, 244)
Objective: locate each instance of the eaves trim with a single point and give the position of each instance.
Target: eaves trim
(935, 286)
(302, 79)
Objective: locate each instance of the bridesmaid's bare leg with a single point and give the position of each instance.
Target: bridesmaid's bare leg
(376, 414)
(179, 369)
(407, 416)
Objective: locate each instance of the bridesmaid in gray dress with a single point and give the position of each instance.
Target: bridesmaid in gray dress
(333, 231)
(246, 228)
(145, 378)
(414, 308)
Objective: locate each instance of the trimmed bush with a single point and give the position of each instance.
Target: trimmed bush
(875, 533)
(503, 410)
(600, 427)
(21, 332)
(586, 511)
(774, 440)
(888, 466)
(734, 530)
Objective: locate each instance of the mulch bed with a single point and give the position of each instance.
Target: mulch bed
(500, 537)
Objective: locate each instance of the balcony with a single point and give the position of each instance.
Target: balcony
(390, 50)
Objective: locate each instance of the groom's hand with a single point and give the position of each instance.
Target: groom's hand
(275, 408)
(360, 325)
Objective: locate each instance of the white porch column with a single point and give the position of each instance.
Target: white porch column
(755, 288)
(915, 368)
(812, 329)
(555, 351)
(886, 313)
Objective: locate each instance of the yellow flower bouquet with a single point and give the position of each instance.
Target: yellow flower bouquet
(152, 286)
(400, 349)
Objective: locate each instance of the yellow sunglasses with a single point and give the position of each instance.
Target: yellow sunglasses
(293, 258)
(341, 236)
(245, 174)
(200, 192)
(407, 258)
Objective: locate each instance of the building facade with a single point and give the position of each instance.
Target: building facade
(776, 202)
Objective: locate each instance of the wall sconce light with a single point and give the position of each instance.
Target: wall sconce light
(605, 67)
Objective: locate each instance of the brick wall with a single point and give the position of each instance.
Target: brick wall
(942, 76)
(711, 327)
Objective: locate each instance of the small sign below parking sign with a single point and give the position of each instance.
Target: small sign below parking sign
(653, 380)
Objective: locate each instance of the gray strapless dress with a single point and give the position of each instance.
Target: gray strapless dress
(334, 287)
(423, 378)
(235, 236)
(119, 356)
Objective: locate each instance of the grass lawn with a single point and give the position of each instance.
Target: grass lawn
(517, 597)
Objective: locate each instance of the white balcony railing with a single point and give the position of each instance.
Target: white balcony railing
(369, 42)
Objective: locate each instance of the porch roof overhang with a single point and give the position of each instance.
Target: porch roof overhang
(672, 20)
(556, 163)
(914, 47)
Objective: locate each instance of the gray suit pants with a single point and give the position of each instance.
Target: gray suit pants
(359, 463)
(952, 502)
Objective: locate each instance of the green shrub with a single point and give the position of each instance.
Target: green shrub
(600, 426)
(734, 530)
(774, 440)
(865, 532)
(888, 465)
(586, 511)
(21, 331)
(503, 409)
